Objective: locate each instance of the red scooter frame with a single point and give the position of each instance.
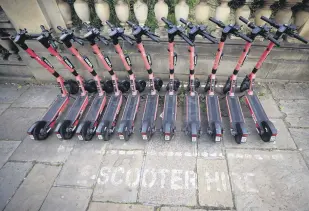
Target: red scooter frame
(40, 129)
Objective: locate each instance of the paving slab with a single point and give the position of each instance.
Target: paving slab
(60, 198)
(9, 92)
(268, 180)
(119, 176)
(37, 97)
(297, 112)
(169, 180)
(209, 149)
(11, 176)
(289, 91)
(51, 150)
(15, 122)
(283, 140)
(82, 166)
(98, 206)
(214, 186)
(3, 107)
(180, 145)
(179, 209)
(32, 192)
(306, 156)
(6, 150)
(300, 137)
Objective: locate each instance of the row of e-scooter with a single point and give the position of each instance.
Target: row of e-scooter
(102, 115)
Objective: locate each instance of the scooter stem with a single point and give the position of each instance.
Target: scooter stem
(171, 65)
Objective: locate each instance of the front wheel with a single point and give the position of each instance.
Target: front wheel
(39, 132)
(66, 130)
(245, 84)
(227, 86)
(71, 86)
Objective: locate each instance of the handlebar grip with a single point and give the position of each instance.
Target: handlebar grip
(219, 23)
(300, 38)
(153, 37)
(245, 37)
(187, 39)
(60, 28)
(79, 41)
(183, 21)
(271, 22)
(42, 27)
(273, 40)
(110, 24)
(127, 38)
(131, 24)
(166, 21)
(210, 38)
(103, 40)
(86, 24)
(244, 20)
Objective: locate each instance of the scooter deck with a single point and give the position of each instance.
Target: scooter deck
(214, 117)
(193, 111)
(169, 115)
(257, 108)
(109, 119)
(96, 108)
(55, 108)
(128, 117)
(193, 119)
(235, 111)
(151, 108)
(76, 108)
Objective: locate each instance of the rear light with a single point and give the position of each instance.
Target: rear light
(121, 136)
(167, 136)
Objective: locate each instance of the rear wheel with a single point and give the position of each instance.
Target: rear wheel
(66, 130)
(39, 132)
(87, 131)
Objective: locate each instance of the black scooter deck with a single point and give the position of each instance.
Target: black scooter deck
(95, 109)
(128, 117)
(149, 116)
(55, 108)
(257, 108)
(193, 116)
(109, 118)
(169, 115)
(237, 121)
(74, 111)
(235, 111)
(214, 117)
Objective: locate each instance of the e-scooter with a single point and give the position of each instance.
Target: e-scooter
(41, 129)
(155, 84)
(237, 121)
(170, 100)
(108, 122)
(193, 117)
(264, 126)
(126, 126)
(67, 127)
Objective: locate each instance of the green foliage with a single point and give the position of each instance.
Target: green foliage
(151, 19)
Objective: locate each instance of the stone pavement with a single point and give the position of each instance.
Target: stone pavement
(157, 175)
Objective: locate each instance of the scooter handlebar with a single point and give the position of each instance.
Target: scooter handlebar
(209, 37)
(273, 40)
(110, 25)
(153, 37)
(167, 22)
(244, 37)
(128, 39)
(131, 24)
(103, 39)
(42, 27)
(60, 28)
(187, 39)
(183, 21)
(244, 20)
(271, 22)
(219, 23)
(300, 38)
